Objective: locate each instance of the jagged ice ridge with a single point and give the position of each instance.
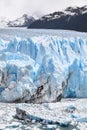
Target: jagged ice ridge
(43, 68)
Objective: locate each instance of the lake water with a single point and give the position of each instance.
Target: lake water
(9, 122)
(37, 126)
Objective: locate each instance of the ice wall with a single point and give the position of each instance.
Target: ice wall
(42, 69)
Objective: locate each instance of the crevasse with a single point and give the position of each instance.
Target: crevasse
(43, 69)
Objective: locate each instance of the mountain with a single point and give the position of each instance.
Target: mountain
(3, 22)
(72, 18)
(23, 21)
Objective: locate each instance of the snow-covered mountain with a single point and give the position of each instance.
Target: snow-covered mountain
(3, 22)
(72, 18)
(23, 21)
(43, 68)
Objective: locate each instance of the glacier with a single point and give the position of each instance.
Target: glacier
(43, 68)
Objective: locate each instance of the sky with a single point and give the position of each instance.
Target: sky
(12, 9)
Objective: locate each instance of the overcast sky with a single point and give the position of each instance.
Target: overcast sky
(12, 9)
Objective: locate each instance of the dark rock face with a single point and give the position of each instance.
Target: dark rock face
(70, 19)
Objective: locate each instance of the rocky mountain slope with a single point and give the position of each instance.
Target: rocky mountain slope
(23, 21)
(3, 22)
(72, 18)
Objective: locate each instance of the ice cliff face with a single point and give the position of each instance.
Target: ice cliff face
(42, 69)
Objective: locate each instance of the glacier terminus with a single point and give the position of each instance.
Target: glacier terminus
(44, 67)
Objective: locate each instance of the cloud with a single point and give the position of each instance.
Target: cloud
(16, 8)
